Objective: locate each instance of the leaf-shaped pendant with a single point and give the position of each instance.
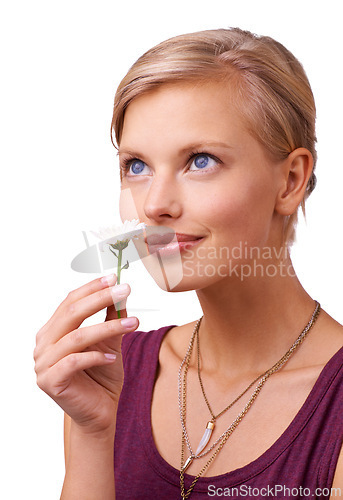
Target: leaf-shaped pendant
(206, 437)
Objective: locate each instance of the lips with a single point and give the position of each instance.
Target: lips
(165, 239)
(187, 237)
(159, 239)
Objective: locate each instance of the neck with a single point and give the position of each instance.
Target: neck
(248, 325)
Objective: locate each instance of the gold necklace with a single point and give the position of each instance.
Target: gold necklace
(209, 428)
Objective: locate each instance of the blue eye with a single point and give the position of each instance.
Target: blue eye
(202, 161)
(133, 167)
(137, 166)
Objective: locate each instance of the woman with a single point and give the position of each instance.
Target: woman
(216, 142)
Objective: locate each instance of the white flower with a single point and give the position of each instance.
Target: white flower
(120, 234)
(118, 238)
(112, 231)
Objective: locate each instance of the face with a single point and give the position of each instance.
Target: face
(190, 165)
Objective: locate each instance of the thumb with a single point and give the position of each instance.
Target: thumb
(111, 313)
(114, 308)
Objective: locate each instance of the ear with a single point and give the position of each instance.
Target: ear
(296, 172)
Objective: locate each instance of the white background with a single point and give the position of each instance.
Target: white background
(60, 64)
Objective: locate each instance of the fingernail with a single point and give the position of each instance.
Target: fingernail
(109, 280)
(110, 357)
(128, 322)
(120, 291)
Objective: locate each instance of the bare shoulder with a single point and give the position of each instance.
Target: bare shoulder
(324, 342)
(331, 329)
(332, 333)
(332, 323)
(176, 340)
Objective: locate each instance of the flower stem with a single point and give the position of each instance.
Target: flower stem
(120, 252)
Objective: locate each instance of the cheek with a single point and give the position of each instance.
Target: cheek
(240, 211)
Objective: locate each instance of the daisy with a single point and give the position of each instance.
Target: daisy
(118, 238)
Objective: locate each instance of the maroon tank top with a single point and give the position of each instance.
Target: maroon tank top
(300, 464)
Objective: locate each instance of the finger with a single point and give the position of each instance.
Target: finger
(91, 304)
(79, 293)
(112, 313)
(57, 379)
(92, 287)
(73, 314)
(83, 338)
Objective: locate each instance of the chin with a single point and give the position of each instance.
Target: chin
(177, 279)
(183, 271)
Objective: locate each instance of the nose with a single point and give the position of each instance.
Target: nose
(163, 200)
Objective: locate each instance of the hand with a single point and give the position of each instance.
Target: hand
(81, 368)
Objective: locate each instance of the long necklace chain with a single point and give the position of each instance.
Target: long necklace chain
(182, 386)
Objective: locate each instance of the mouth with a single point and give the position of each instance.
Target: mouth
(171, 243)
(164, 239)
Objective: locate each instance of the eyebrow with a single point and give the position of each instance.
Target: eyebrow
(202, 144)
(197, 145)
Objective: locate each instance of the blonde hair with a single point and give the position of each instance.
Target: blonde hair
(270, 85)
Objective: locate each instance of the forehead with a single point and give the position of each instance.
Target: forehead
(175, 110)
